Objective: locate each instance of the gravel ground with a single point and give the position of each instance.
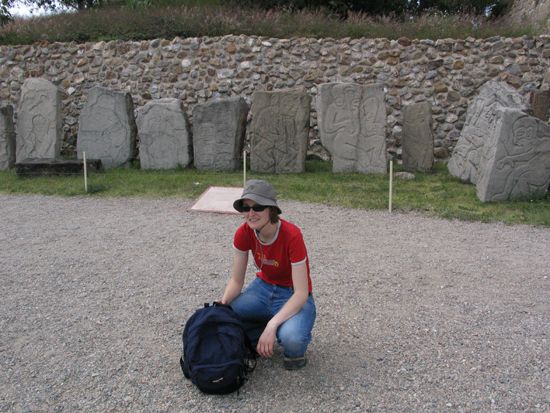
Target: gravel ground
(414, 314)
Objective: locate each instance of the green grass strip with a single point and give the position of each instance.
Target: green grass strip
(435, 194)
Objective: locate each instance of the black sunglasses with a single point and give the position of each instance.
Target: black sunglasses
(256, 208)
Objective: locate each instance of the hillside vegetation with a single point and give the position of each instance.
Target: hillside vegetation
(145, 19)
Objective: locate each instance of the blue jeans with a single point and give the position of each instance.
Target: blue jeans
(260, 301)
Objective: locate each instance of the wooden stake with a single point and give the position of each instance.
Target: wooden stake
(85, 172)
(244, 168)
(391, 184)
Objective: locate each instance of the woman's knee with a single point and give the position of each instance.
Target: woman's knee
(239, 304)
(250, 306)
(293, 340)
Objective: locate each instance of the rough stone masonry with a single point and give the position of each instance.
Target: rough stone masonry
(446, 72)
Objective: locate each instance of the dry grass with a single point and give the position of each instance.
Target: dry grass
(194, 21)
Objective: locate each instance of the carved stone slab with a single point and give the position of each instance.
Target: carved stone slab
(7, 138)
(540, 102)
(107, 128)
(516, 159)
(39, 133)
(417, 141)
(163, 130)
(546, 81)
(480, 122)
(352, 122)
(218, 134)
(279, 131)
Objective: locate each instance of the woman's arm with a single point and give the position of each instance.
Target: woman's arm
(292, 306)
(236, 282)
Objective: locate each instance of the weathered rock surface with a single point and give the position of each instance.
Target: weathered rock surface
(107, 129)
(515, 159)
(218, 134)
(540, 102)
(352, 121)
(404, 176)
(418, 141)
(465, 162)
(7, 138)
(39, 132)
(164, 139)
(279, 131)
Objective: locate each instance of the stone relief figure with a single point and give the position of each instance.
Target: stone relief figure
(279, 131)
(465, 162)
(107, 128)
(371, 148)
(417, 142)
(218, 133)
(39, 121)
(34, 144)
(522, 162)
(219, 152)
(160, 148)
(468, 151)
(275, 142)
(341, 123)
(517, 161)
(352, 126)
(7, 138)
(164, 136)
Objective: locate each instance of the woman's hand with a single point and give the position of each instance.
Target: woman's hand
(267, 341)
(291, 307)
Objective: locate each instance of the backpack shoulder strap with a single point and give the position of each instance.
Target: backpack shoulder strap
(251, 357)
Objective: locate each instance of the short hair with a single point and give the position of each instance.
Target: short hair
(273, 215)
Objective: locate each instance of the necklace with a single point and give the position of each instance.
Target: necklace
(271, 232)
(259, 248)
(260, 258)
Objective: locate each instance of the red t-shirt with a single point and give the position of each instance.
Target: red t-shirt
(276, 258)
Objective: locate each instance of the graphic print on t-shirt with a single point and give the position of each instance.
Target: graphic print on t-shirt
(261, 258)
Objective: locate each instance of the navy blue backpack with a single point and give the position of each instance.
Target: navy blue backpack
(217, 355)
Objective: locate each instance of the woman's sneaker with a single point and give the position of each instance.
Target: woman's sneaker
(294, 363)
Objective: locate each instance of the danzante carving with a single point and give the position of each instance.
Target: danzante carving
(218, 134)
(480, 122)
(107, 128)
(38, 132)
(418, 142)
(7, 138)
(164, 138)
(516, 158)
(352, 120)
(279, 131)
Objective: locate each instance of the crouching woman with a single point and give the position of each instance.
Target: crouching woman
(277, 305)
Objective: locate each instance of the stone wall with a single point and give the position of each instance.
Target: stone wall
(446, 72)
